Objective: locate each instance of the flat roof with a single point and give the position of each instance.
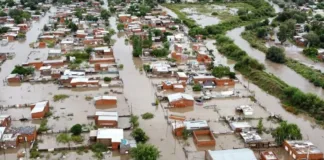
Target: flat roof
(191, 125)
(303, 147)
(39, 107)
(116, 135)
(232, 154)
(107, 115)
(178, 96)
(105, 98)
(182, 74)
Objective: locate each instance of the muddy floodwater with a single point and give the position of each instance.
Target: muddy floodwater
(280, 70)
(308, 127)
(201, 19)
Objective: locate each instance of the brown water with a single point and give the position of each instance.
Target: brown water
(280, 70)
(140, 94)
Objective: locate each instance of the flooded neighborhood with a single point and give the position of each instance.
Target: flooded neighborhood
(147, 80)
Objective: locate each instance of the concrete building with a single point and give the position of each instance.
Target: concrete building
(39, 109)
(105, 100)
(180, 100)
(108, 136)
(230, 154)
(5, 120)
(300, 150)
(106, 119)
(268, 155)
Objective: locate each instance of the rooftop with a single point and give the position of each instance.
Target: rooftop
(116, 135)
(232, 154)
(105, 98)
(39, 107)
(178, 96)
(107, 116)
(303, 147)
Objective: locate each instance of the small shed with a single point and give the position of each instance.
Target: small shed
(39, 109)
(106, 119)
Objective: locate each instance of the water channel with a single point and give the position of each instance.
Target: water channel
(309, 130)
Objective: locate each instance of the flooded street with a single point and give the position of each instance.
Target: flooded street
(140, 94)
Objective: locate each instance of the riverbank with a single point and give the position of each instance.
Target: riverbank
(254, 70)
(314, 76)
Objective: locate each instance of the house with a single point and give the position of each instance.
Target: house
(268, 155)
(84, 82)
(178, 126)
(180, 100)
(45, 70)
(181, 76)
(7, 139)
(208, 140)
(230, 154)
(55, 74)
(224, 81)
(299, 150)
(10, 36)
(103, 50)
(246, 109)
(39, 109)
(126, 145)
(81, 34)
(24, 134)
(106, 119)
(54, 53)
(110, 137)
(13, 78)
(175, 86)
(203, 57)
(124, 18)
(5, 121)
(105, 100)
(240, 126)
(250, 136)
(160, 68)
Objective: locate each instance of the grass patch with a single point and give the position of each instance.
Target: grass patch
(134, 121)
(314, 76)
(255, 42)
(88, 98)
(43, 126)
(63, 138)
(147, 115)
(60, 97)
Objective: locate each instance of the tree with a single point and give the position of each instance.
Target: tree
(2, 14)
(104, 14)
(139, 135)
(21, 36)
(4, 30)
(88, 50)
(90, 17)
(23, 71)
(286, 131)
(107, 38)
(310, 51)
(45, 28)
(196, 87)
(145, 152)
(260, 126)
(107, 79)
(137, 46)
(313, 39)
(160, 52)
(283, 33)
(222, 71)
(276, 54)
(76, 129)
(72, 26)
(166, 45)
(262, 32)
(120, 26)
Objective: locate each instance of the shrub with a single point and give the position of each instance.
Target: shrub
(63, 138)
(99, 147)
(139, 135)
(23, 71)
(76, 129)
(77, 139)
(196, 87)
(147, 115)
(134, 121)
(59, 97)
(276, 54)
(107, 79)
